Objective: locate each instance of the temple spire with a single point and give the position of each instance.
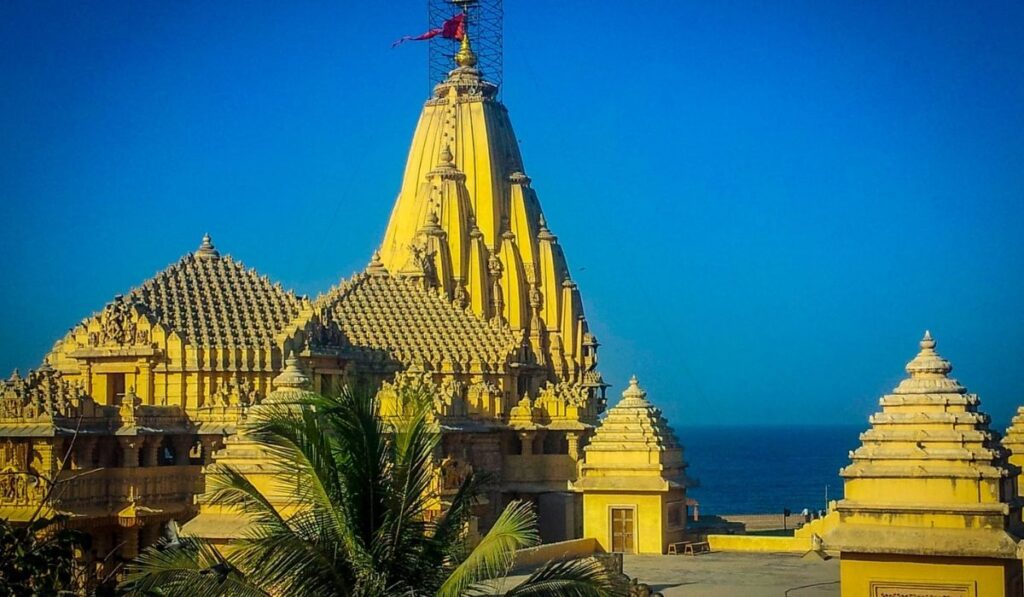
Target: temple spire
(465, 55)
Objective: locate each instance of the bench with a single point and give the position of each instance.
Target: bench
(674, 548)
(695, 547)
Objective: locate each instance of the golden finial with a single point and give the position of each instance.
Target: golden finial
(465, 55)
(206, 248)
(928, 362)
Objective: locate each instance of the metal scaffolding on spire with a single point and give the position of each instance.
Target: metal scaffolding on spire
(484, 22)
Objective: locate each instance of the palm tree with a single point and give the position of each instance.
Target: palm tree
(361, 486)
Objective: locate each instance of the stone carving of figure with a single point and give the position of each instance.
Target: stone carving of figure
(453, 473)
(6, 486)
(224, 394)
(20, 488)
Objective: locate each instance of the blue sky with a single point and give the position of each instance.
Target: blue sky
(764, 204)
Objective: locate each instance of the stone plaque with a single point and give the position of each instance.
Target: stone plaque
(913, 589)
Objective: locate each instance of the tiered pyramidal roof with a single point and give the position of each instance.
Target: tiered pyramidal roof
(633, 449)
(213, 300)
(380, 314)
(929, 456)
(1013, 440)
(467, 221)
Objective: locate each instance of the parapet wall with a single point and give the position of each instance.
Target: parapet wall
(562, 550)
(759, 544)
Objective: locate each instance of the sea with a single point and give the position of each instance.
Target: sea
(766, 470)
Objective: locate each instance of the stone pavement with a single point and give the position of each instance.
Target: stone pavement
(728, 574)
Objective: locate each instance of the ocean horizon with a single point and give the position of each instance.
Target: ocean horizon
(767, 469)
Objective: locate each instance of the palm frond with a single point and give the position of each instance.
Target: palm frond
(232, 489)
(447, 540)
(493, 557)
(310, 467)
(193, 569)
(412, 449)
(296, 560)
(569, 578)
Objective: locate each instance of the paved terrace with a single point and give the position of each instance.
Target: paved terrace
(730, 574)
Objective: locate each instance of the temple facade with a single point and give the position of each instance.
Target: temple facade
(468, 294)
(633, 479)
(931, 504)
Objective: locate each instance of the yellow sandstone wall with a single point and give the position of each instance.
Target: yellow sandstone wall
(562, 550)
(759, 544)
(879, 574)
(597, 519)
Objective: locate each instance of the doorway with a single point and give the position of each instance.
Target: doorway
(624, 530)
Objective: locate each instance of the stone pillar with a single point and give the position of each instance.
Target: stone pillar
(574, 444)
(526, 439)
(85, 447)
(210, 443)
(182, 445)
(86, 372)
(129, 451)
(151, 450)
(130, 542)
(144, 383)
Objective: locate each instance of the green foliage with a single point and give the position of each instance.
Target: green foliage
(38, 558)
(360, 487)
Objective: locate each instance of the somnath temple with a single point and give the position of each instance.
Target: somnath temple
(469, 294)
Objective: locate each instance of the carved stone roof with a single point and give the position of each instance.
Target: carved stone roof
(42, 394)
(928, 426)
(292, 384)
(377, 312)
(928, 460)
(634, 447)
(212, 300)
(1013, 439)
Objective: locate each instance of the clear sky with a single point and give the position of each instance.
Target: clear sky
(764, 204)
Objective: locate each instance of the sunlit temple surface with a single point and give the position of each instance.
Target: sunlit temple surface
(930, 504)
(469, 295)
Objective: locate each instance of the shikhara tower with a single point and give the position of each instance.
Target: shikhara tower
(468, 222)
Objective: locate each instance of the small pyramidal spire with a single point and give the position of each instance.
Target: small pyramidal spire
(376, 267)
(432, 226)
(292, 377)
(634, 395)
(928, 363)
(543, 233)
(474, 230)
(206, 249)
(446, 157)
(465, 56)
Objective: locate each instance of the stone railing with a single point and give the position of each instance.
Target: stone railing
(163, 487)
(538, 467)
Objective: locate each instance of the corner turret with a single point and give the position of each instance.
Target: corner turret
(930, 485)
(633, 479)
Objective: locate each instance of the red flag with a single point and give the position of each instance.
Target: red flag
(453, 28)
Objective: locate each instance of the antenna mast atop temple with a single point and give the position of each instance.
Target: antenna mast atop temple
(484, 22)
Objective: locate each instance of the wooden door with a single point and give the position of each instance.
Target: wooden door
(623, 529)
